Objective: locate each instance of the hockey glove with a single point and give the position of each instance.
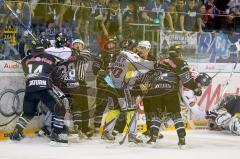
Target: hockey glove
(197, 92)
(96, 66)
(211, 114)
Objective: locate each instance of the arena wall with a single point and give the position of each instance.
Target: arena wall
(12, 87)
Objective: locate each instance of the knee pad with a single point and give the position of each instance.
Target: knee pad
(223, 119)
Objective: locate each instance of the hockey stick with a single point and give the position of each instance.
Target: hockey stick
(128, 126)
(19, 20)
(234, 68)
(226, 85)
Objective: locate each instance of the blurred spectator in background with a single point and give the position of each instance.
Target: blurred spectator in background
(230, 21)
(49, 11)
(234, 6)
(179, 8)
(211, 11)
(113, 23)
(155, 12)
(130, 16)
(99, 14)
(23, 11)
(220, 12)
(76, 19)
(204, 17)
(4, 13)
(189, 19)
(174, 15)
(141, 8)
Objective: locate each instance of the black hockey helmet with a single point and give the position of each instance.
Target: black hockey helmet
(60, 40)
(175, 51)
(46, 42)
(111, 40)
(37, 45)
(204, 79)
(128, 44)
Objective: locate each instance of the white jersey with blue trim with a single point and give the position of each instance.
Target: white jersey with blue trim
(62, 52)
(127, 67)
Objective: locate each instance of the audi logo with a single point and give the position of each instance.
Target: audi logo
(11, 102)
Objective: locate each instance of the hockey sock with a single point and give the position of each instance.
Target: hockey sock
(179, 125)
(155, 126)
(97, 121)
(22, 123)
(77, 118)
(111, 120)
(58, 124)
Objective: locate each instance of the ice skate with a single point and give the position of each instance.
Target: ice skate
(181, 143)
(152, 140)
(133, 138)
(107, 136)
(44, 131)
(15, 136)
(58, 139)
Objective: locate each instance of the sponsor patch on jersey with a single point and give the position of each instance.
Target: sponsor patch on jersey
(37, 83)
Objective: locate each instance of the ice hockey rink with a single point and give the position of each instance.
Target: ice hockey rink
(200, 144)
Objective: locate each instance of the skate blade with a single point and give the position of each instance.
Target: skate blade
(182, 147)
(58, 144)
(74, 138)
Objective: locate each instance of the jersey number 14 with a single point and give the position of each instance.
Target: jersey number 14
(38, 69)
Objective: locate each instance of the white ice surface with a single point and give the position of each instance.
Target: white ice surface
(201, 144)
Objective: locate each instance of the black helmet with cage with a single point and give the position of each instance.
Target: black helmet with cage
(111, 44)
(37, 46)
(60, 40)
(128, 44)
(175, 51)
(203, 79)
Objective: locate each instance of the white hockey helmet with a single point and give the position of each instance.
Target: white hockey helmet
(145, 44)
(78, 41)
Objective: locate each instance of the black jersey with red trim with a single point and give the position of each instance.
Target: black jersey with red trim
(38, 69)
(231, 103)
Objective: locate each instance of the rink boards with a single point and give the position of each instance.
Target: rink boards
(12, 87)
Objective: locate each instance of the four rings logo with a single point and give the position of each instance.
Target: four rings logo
(11, 102)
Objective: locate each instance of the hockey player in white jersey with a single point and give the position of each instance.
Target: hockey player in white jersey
(122, 76)
(60, 49)
(226, 116)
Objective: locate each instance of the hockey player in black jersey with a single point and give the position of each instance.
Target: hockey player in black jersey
(102, 67)
(37, 68)
(165, 83)
(226, 116)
